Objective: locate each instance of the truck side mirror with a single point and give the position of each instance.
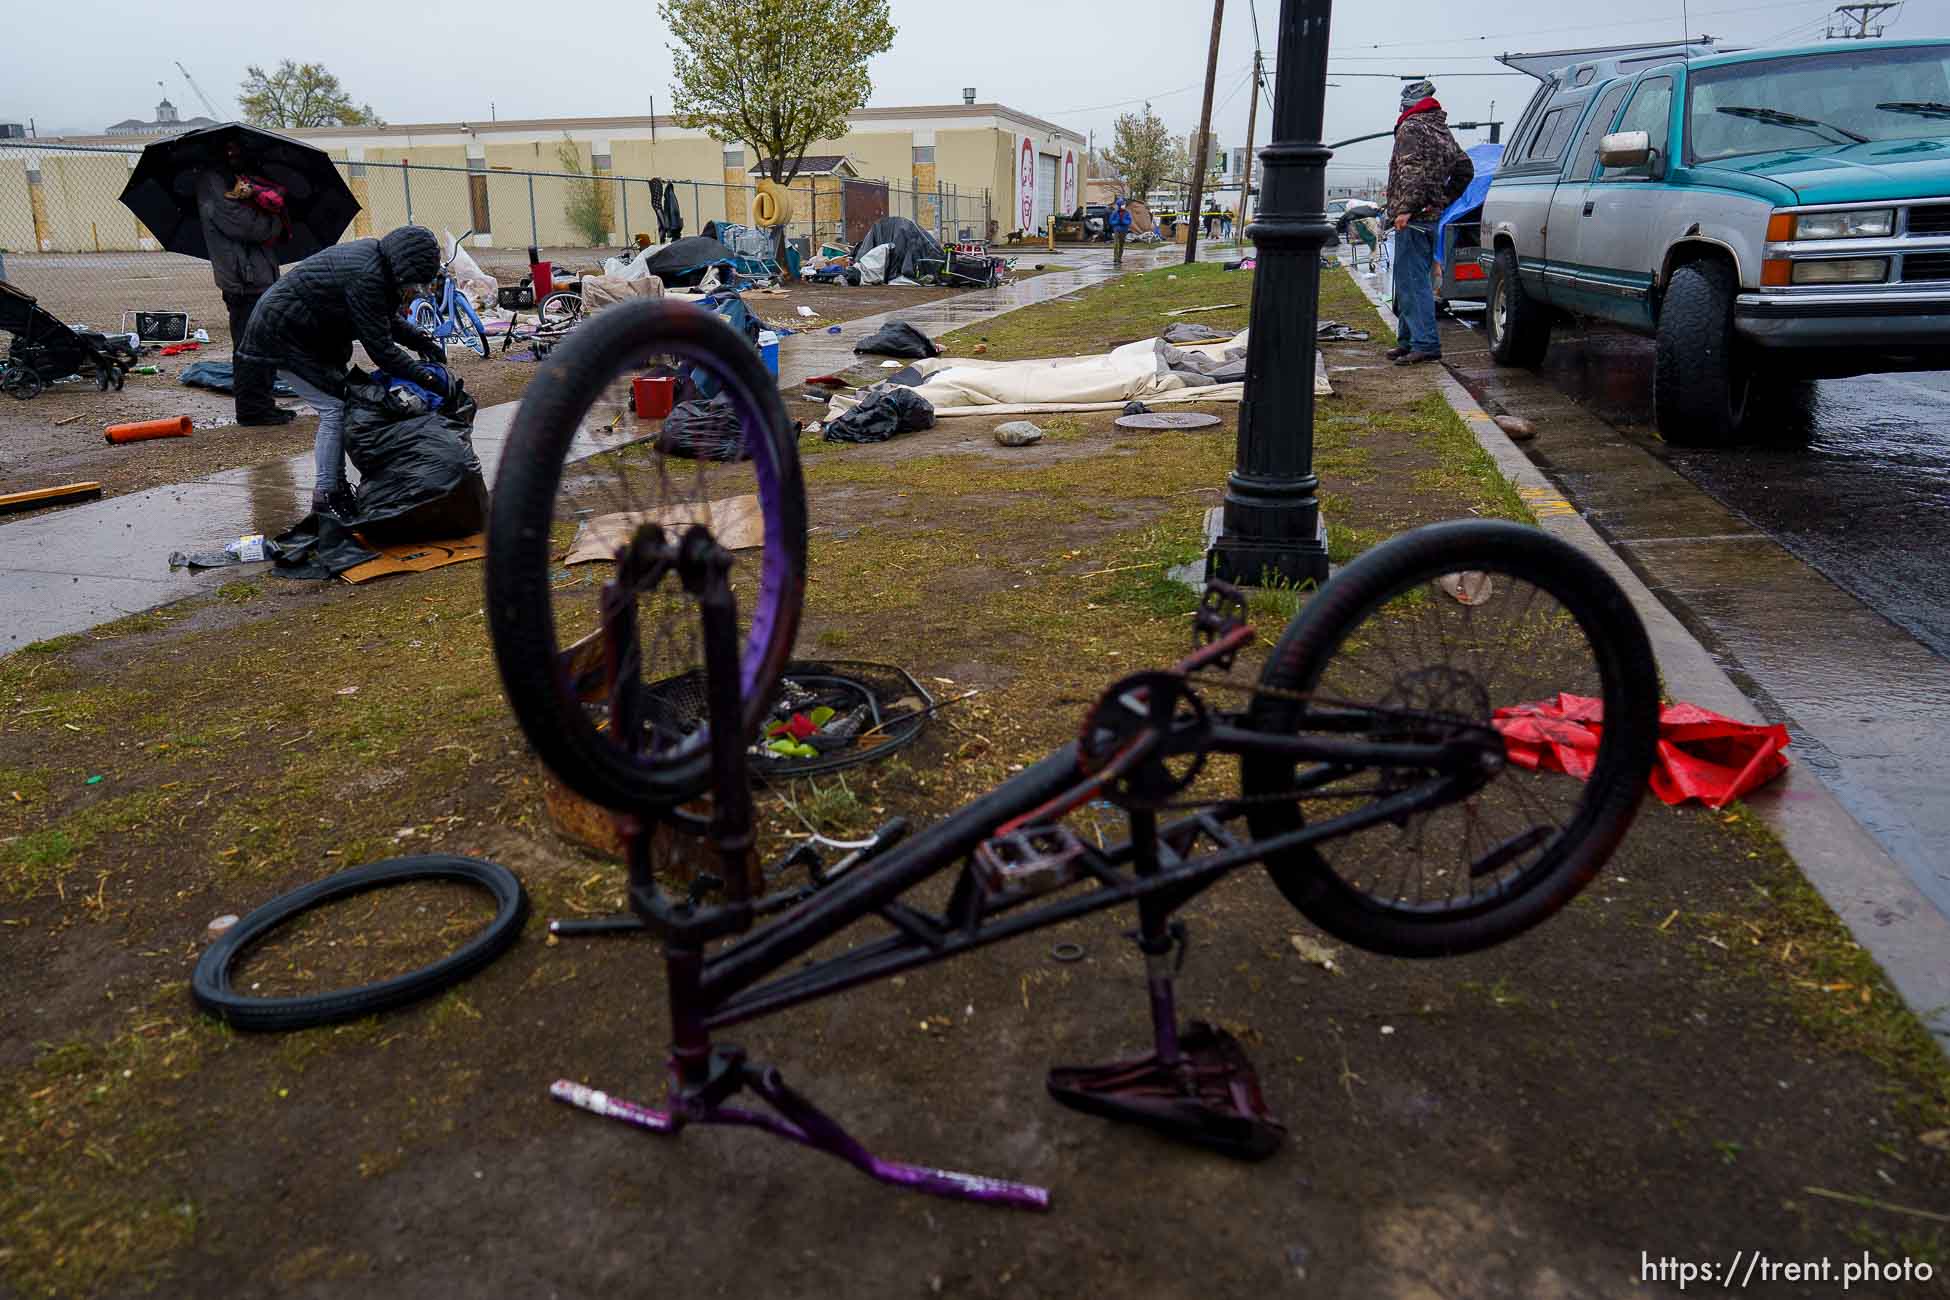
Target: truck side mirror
(1625, 149)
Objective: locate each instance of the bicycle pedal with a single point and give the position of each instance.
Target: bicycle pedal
(1022, 863)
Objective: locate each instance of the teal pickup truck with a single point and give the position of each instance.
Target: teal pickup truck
(1768, 216)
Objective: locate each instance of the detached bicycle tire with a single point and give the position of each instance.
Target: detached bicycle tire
(210, 984)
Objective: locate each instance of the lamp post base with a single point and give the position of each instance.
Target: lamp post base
(1266, 562)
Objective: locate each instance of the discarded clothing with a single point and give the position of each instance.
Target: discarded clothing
(708, 430)
(881, 414)
(898, 339)
(1702, 755)
(1191, 332)
(216, 376)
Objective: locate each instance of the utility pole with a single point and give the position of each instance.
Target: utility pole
(1204, 136)
(1252, 121)
(1270, 525)
(1859, 14)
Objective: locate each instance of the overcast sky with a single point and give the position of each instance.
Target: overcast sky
(80, 64)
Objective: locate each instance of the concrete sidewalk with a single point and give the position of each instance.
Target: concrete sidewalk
(75, 569)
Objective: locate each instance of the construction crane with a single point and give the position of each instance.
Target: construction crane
(208, 107)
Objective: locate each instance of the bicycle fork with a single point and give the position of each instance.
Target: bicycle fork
(703, 1075)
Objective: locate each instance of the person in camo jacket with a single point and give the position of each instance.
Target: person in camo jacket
(1417, 176)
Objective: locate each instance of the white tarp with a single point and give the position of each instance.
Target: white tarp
(632, 267)
(873, 264)
(1134, 372)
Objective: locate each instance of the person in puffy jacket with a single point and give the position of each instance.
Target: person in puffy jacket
(1118, 223)
(1417, 176)
(306, 323)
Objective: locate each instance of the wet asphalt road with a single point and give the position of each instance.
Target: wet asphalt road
(1811, 559)
(1851, 475)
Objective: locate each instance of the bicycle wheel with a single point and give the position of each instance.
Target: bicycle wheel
(560, 308)
(210, 982)
(552, 493)
(427, 320)
(1430, 633)
(468, 326)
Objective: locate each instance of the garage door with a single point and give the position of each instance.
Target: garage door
(1045, 188)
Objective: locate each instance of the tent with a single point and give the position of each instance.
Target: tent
(916, 254)
(683, 262)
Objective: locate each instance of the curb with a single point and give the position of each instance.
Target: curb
(1866, 888)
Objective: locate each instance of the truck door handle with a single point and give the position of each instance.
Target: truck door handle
(1587, 206)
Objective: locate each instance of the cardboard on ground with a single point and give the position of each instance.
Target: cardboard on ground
(734, 521)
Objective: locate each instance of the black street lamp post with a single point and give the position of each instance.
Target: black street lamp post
(1272, 530)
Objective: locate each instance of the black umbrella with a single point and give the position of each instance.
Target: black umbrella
(162, 189)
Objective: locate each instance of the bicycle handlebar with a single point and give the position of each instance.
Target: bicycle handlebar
(458, 243)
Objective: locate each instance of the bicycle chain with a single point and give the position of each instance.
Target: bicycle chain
(1302, 697)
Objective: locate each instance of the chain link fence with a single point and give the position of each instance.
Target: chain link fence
(66, 239)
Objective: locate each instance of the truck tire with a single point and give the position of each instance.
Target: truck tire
(1701, 382)
(1519, 330)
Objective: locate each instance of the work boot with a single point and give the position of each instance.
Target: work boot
(265, 419)
(337, 504)
(1397, 352)
(1418, 358)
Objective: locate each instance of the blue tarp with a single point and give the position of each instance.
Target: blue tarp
(1486, 157)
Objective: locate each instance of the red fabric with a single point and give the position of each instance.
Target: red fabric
(1423, 105)
(175, 348)
(798, 728)
(1702, 755)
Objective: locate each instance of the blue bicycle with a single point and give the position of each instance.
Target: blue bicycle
(446, 313)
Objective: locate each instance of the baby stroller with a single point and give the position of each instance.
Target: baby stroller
(45, 350)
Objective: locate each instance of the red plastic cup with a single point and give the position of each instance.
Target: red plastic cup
(655, 395)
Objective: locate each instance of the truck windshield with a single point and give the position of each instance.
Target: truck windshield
(1817, 101)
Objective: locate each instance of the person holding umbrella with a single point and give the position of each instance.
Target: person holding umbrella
(305, 325)
(238, 233)
(246, 201)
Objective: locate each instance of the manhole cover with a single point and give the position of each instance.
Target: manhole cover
(1167, 420)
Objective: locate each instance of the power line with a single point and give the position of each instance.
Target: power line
(1142, 99)
(1536, 31)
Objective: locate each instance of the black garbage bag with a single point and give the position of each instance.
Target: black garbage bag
(419, 478)
(881, 414)
(898, 339)
(704, 431)
(318, 546)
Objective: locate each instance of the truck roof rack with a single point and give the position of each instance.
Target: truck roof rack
(1544, 63)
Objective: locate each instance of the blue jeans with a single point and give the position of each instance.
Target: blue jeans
(328, 445)
(1415, 288)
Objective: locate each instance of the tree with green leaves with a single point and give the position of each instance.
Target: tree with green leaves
(774, 75)
(587, 203)
(1140, 151)
(300, 94)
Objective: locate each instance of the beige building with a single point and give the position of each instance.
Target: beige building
(967, 169)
